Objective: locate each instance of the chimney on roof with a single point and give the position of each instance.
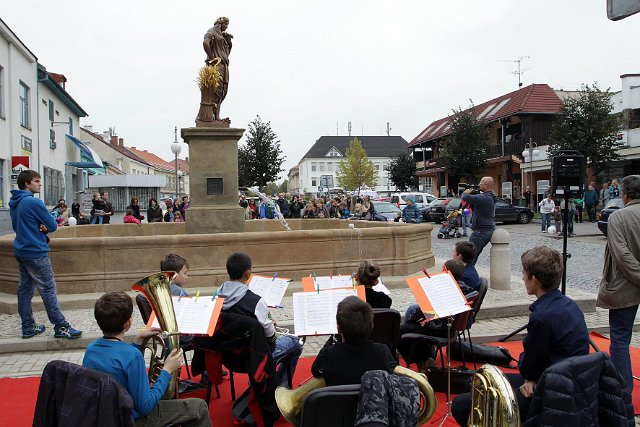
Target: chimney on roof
(133, 148)
(121, 142)
(114, 139)
(89, 128)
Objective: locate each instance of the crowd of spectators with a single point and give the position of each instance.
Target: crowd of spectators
(342, 206)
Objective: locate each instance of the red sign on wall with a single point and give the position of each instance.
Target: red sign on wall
(19, 163)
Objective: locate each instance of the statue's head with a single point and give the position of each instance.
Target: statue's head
(223, 20)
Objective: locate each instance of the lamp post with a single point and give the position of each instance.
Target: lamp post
(176, 147)
(530, 150)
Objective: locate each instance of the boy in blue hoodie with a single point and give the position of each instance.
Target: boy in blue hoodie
(31, 222)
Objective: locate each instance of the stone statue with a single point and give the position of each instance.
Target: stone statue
(217, 45)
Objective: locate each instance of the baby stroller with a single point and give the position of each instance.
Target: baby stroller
(451, 227)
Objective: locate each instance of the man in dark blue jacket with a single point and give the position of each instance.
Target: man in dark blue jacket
(31, 222)
(556, 330)
(483, 219)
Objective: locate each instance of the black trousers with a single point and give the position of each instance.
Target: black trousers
(461, 407)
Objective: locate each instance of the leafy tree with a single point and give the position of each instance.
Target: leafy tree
(585, 124)
(271, 188)
(466, 151)
(402, 170)
(260, 158)
(284, 185)
(355, 168)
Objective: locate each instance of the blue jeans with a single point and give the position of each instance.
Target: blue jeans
(466, 222)
(621, 326)
(546, 221)
(286, 346)
(37, 273)
(480, 238)
(410, 313)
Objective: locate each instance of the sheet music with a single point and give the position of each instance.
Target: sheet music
(335, 282)
(315, 313)
(193, 317)
(272, 290)
(444, 294)
(380, 287)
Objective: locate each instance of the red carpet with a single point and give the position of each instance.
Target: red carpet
(19, 394)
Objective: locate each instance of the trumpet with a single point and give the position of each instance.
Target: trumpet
(284, 332)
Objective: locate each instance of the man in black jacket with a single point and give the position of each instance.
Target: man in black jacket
(556, 330)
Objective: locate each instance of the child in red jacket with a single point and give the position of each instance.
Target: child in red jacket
(129, 218)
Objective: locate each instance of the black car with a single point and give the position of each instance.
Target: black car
(441, 207)
(505, 211)
(603, 217)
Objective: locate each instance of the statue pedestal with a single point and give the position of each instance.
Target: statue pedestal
(213, 180)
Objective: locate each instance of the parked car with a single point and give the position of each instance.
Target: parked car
(505, 212)
(424, 210)
(603, 217)
(441, 207)
(422, 199)
(387, 210)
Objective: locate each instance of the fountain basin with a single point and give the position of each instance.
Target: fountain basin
(100, 258)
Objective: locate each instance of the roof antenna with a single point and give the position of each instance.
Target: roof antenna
(520, 71)
(388, 129)
(349, 128)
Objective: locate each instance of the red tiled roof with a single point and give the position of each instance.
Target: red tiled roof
(183, 165)
(152, 159)
(536, 98)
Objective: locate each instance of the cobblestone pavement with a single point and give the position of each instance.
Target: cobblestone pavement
(584, 268)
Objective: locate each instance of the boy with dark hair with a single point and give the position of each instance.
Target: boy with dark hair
(367, 275)
(556, 329)
(180, 266)
(240, 300)
(111, 355)
(466, 252)
(31, 222)
(346, 361)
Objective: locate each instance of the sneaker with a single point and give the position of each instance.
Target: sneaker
(35, 330)
(66, 331)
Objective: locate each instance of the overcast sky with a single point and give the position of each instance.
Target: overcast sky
(307, 66)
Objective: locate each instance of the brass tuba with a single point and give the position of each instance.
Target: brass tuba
(157, 289)
(290, 401)
(493, 402)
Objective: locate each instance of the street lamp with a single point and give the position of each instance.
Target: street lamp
(176, 147)
(530, 150)
(388, 169)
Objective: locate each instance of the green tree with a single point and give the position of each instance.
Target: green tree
(402, 170)
(466, 151)
(271, 188)
(585, 124)
(260, 158)
(284, 186)
(355, 168)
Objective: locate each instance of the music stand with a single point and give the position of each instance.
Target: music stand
(449, 402)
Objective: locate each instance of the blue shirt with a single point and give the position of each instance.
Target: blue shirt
(483, 217)
(556, 331)
(125, 363)
(27, 214)
(471, 277)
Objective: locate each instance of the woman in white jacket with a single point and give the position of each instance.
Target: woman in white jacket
(547, 207)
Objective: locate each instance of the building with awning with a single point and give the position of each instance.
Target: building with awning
(514, 120)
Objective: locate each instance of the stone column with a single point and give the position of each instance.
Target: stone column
(213, 180)
(500, 260)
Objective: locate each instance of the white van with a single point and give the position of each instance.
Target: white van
(422, 199)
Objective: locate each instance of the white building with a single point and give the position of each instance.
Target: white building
(318, 168)
(38, 121)
(627, 103)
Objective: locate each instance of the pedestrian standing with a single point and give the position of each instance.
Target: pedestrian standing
(31, 222)
(108, 208)
(620, 286)
(604, 195)
(591, 201)
(547, 206)
(483, 219)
